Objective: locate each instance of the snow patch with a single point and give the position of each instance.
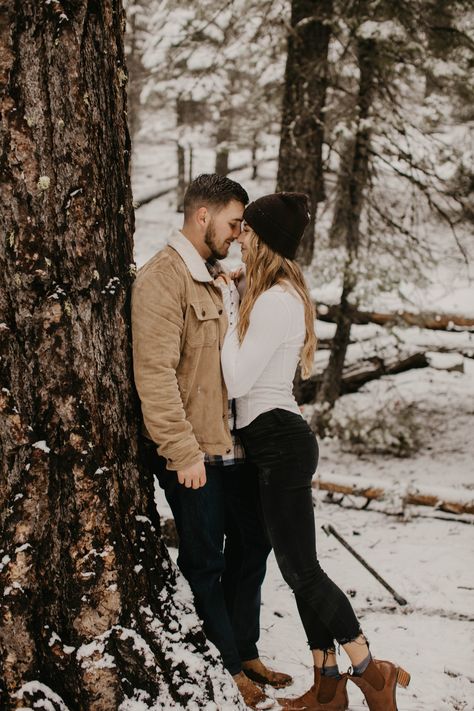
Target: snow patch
(36, 687)
(41, 444)
(22, 548)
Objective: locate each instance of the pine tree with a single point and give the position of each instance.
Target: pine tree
(92, 612)
(390, 141)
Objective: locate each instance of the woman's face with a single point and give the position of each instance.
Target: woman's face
(244, 239)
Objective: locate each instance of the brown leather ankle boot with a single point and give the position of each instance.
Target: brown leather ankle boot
(258, 672)
(326, 694)
(250, 692)
(379, 684)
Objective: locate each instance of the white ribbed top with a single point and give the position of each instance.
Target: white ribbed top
(259, 372)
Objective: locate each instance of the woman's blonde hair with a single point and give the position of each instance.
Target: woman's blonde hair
(264, 269)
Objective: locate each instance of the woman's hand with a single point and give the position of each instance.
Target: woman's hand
(223, 280)
(240, 280)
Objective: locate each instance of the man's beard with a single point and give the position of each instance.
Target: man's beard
(210, 241)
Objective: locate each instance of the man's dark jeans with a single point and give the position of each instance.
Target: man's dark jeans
(226, 582)
(283, 447)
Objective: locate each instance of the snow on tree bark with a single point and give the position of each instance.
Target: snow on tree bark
(92, 612)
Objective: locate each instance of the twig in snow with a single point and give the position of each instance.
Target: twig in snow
(329, 529)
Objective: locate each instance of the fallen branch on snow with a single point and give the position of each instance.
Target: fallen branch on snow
(329, 529)
(439, 498)
(344, 503)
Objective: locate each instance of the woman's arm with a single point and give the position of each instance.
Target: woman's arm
(242, 364)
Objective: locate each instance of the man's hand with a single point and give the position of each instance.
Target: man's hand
(194, 476)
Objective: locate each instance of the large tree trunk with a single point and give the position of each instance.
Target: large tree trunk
(302, 131)
(90, 611)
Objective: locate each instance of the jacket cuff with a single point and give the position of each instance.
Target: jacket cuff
(182, 460)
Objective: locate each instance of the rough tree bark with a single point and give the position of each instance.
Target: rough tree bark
(302, 131)
(90, 606)
(351, 196)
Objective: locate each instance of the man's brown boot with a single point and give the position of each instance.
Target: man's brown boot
(379, 682)
(256, 670)
(250, 692)
(326, 694)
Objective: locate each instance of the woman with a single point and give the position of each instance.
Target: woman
(267, 337)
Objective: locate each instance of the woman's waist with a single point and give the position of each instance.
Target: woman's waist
(257, 402)
(277, 422)
(269, 394)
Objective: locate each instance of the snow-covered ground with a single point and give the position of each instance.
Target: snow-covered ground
(427, 561)
(430, 562)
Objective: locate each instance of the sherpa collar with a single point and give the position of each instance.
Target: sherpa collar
(190, 256)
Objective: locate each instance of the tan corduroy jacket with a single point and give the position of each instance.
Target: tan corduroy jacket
(178, 325)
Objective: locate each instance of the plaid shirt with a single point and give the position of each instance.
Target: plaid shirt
(237, 454)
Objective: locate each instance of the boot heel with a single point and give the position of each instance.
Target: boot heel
(403, 677)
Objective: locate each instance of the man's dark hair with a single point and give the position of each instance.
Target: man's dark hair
(214, 190)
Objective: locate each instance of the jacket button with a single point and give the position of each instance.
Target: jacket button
(220, 311)
(203, 312)
(228, 451)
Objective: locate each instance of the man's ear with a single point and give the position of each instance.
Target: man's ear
(202, 216)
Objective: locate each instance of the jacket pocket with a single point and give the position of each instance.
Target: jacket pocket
(203, 324)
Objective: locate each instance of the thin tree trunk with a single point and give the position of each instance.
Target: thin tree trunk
(181, 189)
(190, 166)
(332, 379)
(302, 131)
(254, 156)
(351, 185)
(223, 137)
(181, 158)
(134, 84)
(90, 615)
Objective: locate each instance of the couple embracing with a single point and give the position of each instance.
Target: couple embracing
(214, 362)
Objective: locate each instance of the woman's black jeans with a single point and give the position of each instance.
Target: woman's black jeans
(285, 451)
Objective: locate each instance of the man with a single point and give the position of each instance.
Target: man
(179, 325)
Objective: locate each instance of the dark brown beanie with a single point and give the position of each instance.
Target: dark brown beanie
(279, 220)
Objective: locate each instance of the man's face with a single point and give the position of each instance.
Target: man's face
(224, 228)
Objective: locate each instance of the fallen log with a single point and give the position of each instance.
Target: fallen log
(373, 368)
(439, 498)
(356, 374)
(383, 355)
(153, 196)
(343, 503)
(429, 320)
